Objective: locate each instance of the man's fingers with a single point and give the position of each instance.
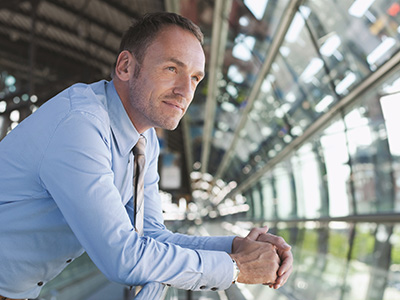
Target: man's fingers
(285, 255)
(287, 262)
(255, 233)
(277, 241)
(281, 280)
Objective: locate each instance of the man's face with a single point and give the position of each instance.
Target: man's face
(169, 74)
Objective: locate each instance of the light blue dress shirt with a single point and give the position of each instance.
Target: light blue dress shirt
(66, 187)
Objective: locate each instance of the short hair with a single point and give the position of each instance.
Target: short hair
(143, 31)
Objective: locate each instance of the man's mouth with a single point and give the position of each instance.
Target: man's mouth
(175, 105)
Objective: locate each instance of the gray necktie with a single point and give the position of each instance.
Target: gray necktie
(138, 183)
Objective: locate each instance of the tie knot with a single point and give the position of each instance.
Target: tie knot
(140, 146)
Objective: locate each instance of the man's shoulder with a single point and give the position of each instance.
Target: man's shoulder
(85, 100)
(90, 98)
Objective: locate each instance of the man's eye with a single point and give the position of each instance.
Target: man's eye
(172, 69)
(196, 78)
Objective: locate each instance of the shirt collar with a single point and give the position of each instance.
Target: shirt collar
(125, 133)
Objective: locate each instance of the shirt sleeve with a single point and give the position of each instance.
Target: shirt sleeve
(76, 171)
(153, 218)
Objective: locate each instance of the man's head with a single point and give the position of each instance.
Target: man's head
(143, 31)
(157, 74)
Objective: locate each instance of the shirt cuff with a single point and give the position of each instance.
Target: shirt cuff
(217, 271)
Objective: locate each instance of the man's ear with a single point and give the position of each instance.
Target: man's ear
(125, 65)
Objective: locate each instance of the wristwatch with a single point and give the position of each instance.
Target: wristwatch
(236, 271)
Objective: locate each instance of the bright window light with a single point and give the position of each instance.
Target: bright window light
(3, 106)
(345, 83)
(234, 74)
(324, 103)
(266, 86)
(297, 24)
(243, 50)
(359, 7)
(14, 116)
(266, 131)
(232, 90)
(34, 98)
(330, 45)
(228, 107)
(312, 68)
(286, 107)
(379, 51)
(285, 51)
(279, 113)
(244, 21)
(290, 97)
(10, 80)
(389, 89)
(390, 107)
(257, 7)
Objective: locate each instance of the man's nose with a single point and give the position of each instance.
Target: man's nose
(185, 87)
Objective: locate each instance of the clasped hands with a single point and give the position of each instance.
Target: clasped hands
(262, 258)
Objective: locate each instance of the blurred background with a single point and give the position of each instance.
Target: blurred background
(296, 126)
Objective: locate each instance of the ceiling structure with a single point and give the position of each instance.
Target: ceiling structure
(273, 69)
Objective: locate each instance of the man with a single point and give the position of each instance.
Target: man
(66, 179)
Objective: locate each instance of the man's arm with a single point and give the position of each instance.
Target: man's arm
(153, 219)
(76, 171)
(245, 251)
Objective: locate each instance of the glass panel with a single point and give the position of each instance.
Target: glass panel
(354, 37)
(333, 276)
(257, 203)
(336, 158)
(320, 252)
(249, 37)
(392, 290)
(268, 196)
(390, 106)
(370, 156)
(308, 181)
(305, 255)
(304, 82)
(360, 274)
(283, 182)
(292, 96)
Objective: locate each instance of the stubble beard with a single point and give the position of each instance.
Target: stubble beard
(149, 112)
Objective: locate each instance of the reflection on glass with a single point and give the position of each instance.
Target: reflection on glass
(257, 203)
(371, 161)
(251, 26)
(268, 197)
(284, 190)
(390, 107)
(366, 253)
(333, 142)
(308, 181)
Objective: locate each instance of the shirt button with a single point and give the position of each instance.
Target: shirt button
(214, 289)
(40, 283)
(202, 287)
(68, 261)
